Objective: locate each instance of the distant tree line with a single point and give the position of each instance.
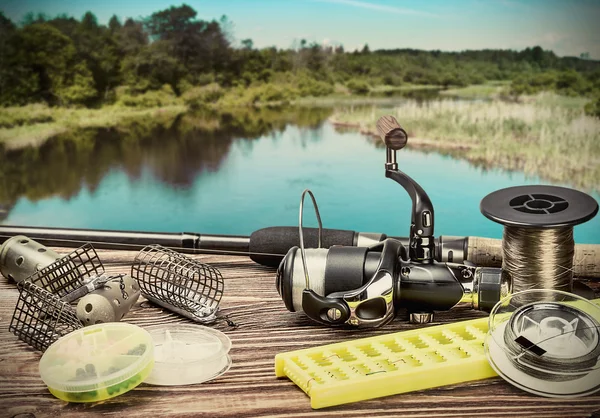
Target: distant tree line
(64, 61)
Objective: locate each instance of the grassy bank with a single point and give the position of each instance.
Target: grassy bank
(32, 125)
(489, 90)
(543, 135)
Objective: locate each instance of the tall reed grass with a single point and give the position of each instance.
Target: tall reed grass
(541, 136)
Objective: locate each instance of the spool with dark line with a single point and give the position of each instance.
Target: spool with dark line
(537, 244)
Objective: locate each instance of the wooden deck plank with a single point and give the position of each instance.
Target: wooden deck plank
(249, 388)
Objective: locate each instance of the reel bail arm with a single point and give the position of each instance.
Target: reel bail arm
(421, 238)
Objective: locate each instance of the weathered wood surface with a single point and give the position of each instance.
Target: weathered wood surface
(249, 388)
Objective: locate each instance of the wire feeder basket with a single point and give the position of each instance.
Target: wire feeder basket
(178, 283)
(40, 317)
(68, 273)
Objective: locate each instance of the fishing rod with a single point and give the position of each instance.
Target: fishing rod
(268, 246)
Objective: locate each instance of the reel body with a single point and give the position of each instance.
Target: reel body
(367, 286)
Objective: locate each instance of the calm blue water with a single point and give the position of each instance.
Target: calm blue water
(257, 183)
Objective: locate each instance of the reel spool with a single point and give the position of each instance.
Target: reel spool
(546, 342)
(537, 243)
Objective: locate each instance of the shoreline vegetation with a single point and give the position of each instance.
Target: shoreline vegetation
(544, 135)
(32, 125)
(528, 110)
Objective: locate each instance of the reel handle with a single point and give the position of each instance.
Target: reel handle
(421, 239)
(390, 131)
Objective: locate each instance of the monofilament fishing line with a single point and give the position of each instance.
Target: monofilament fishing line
(538, 245)
(538, 258)
(546, 342)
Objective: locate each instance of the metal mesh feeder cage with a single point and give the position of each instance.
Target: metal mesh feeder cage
(40, 317)
(178, 283)
(44, 312)
(69, 273)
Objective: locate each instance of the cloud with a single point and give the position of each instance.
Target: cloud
(562, 44)
(379, 7)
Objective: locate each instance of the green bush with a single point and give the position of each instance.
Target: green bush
(265, 75)
(475, 78)
(153, 98)
(566, 83)
(258, 94)
(205, 79)
(81, 90)
(454, 79)
(198, 97)
(521, 85)
(266, 93)
(570, 83)
(25, 115)
(358, 86)
(392, 80)
(184, 86)
(311, 87)
(593, 107)
(544, 81)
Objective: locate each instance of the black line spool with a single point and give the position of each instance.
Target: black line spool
(537, 243)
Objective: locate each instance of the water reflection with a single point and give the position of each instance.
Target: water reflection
(235, 173)
(175, 151)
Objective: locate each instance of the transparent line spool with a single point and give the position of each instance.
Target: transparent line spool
(188, 354)
(178, 283)
(546, 342)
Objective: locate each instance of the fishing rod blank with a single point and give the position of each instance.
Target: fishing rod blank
(265, 246)
(268, 246)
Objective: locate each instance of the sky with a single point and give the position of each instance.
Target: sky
(567, 27)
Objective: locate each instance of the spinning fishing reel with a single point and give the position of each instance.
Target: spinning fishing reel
(366, 286)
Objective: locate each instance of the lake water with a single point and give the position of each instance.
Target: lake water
(236, 176)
